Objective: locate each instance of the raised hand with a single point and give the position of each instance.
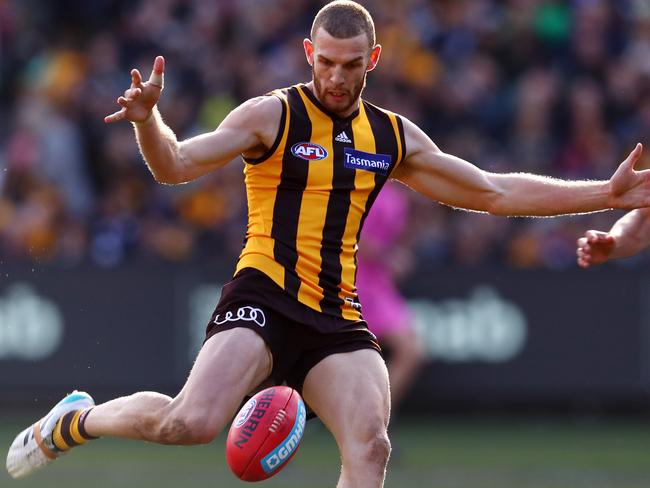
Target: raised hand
(139, 100)
(595, 247)
(630, 188)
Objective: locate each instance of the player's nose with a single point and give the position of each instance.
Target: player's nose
(336, 75)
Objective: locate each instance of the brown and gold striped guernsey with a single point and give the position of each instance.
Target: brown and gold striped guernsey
(309, 195)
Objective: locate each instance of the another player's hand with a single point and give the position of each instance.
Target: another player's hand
(595, 247)
(630, 189)
(139, 100)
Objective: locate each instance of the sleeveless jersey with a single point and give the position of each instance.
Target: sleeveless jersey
(309, 195)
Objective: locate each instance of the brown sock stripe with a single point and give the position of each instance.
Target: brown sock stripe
(66, 423)
(82, 425)
(74, 429)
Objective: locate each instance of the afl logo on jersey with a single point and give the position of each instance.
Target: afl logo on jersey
(308, 151)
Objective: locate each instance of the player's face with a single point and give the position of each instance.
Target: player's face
(339, 68)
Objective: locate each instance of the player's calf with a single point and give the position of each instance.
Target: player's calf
(185, 426)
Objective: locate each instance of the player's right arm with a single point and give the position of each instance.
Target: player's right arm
(629, 235)
(248, 130)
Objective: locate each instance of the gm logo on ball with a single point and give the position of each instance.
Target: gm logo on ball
(280, 454)
(308, 151)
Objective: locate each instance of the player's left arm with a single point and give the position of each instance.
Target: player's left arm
(458, 183)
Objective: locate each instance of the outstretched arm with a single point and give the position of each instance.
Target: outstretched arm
(458, 183)
(249, 130)
(629, 235)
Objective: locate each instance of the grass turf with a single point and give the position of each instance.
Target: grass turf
(436, 453)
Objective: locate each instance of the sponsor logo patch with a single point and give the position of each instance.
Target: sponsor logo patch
(377, 163)
(354, 304)
(245, 412)
(247, 313)
(343, 137)
(308, 151)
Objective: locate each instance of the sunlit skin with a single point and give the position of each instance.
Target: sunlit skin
(339, 68)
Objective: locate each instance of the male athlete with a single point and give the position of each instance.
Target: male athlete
(316, 155)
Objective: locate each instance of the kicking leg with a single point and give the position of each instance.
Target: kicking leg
(230, 364)
(350, 394)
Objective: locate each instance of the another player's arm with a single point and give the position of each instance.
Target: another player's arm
(628, 236)
(458, 183)
(249, 129)
(631, 233)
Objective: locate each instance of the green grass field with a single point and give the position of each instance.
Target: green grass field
(430, 453)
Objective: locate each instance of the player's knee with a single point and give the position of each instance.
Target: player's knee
(185, 428)
(370, 448)
(378, 450)
(373, 452)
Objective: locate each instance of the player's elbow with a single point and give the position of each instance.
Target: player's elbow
(495, 207)
(167, 178)
(492, 202)
(170, 168)
(496, 197)
(170, 174)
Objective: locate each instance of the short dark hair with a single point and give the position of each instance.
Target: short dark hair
(344, 19)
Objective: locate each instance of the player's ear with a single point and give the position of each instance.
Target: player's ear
(374, 57)
(309, 50)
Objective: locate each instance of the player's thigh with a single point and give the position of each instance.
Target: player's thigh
(350, 393)
(229, 365)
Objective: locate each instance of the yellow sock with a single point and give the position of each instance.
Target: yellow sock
(69, 430)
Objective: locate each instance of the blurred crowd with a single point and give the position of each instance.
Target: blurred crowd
(554, 87)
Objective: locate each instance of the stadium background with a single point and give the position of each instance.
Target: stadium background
(537, 373)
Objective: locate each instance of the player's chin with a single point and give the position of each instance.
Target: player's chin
(338, 102)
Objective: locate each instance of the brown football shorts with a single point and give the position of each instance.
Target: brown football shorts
(298, 337)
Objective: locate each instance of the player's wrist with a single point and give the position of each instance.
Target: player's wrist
(147, 121)
(614, 196)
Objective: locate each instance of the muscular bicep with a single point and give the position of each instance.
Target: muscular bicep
(249, 128)
(442, 177)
